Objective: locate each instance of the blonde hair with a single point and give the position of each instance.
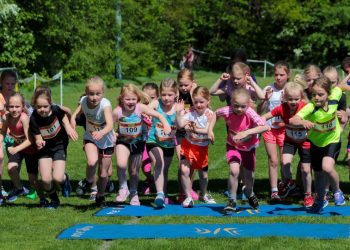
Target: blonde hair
(291, 86)
(131, 88)
(299, 79)
(312, 68)
(185, 74)
(329, 70)
(96, 80)
(239, 66)
(201, 91)
(169, 83)
(240, 92)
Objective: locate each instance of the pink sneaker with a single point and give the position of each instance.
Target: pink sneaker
(194, 195)
(123, 194)
(134, 201)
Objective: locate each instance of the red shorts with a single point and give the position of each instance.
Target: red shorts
(245, 158)
(275, 136)
(196, 155)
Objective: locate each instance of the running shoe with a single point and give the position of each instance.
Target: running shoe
(160, 200)
(308, 200)
(66, 186)
(168, 201)
(32, 194)
(339, 199)
(318, 206)
(83, 187)
(208, 199)
(134, 200)
(43, 202)
(3, 192)
(188, 203)
(230, 207)
(194, 195)
(110, 186)
(54, 204)
(181, 198)
(17, 192)
(100, 201)
(275, 197)
(286, 188)
(253, 201)
(123, 194)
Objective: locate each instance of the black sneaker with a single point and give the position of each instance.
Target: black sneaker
(83, 187)
(231, 207)
(100, 201)
(54, 204)
(43, 202)
(286, 188)
(253, 201)
(66, 187)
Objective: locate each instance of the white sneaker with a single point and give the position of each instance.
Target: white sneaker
(208, 199)
(188, 203)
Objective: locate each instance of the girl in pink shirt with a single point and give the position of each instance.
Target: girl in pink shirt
(243, 126)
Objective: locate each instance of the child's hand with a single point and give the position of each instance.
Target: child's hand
(167, 129)
(97, 135)
(72, 134)
(250, 80)
(268, 93)
(342, 116)
(40, 143)
(308, 125)
(73, 123)
(12, 150)
(180, 106)
(239, 136)
(211, 136)
(225, 76)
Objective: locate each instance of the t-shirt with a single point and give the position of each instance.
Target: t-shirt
(237, 123)
(327, 129)
(201, 121)
(187, 99)
(274, 101)
(50, 128)
(95, 121)
(294, 134)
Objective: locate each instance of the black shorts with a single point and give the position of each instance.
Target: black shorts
(291, 148)
(331, 150)
(167, 152)
(58, 154)
(31, 161)
(105, 152)
(135, 149)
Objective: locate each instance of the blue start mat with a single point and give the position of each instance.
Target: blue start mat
(216, 210)
(298, 230)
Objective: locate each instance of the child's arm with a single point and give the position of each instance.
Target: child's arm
(343, 84)
(259, 92)
(3, 130)
(67, 111)
(267, 95)
(151, 112)
(211, 127)
(26, 143)
(70, 131)
(180, 120)
(256, 130)
(76, 113)
(298, 121)
(97, 135)
(214, 90)
(39, 141)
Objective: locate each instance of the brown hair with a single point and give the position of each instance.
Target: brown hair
(95, 80)
(345, 64)
(282, 65)
(201, 91)
(169, 83)
(19, 95)
(42, 91)
(6, 73)
(312, 68)
(185, 74)
(323, 82)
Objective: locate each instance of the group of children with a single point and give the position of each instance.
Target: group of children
(306, 114)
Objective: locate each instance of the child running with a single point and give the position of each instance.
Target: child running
(194, 147)
(295, 139)
(275, 136)
(16, 125)
(161, 142)
(320, 117)
(131, 139)
(243, 126)
(151, 89)
(98, 136)
(50, 128)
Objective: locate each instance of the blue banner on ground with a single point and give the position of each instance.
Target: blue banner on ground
(297, 230)
(216, 210)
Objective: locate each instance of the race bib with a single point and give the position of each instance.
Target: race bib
(196, 137)
(162, 136)
(326, 126)
(91, 127)
(297, 134)
(130, 130)
(18, 139)
(50, 131)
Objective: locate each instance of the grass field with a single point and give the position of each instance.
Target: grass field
(26, 226)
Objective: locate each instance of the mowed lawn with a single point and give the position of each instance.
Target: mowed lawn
(26, 226)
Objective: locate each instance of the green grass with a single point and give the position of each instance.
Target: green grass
(25, 226)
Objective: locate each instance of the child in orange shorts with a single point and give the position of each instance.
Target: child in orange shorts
(194, 147)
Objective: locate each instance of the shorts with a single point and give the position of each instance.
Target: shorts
(105, 152)
(275, 136)
(31, 161)
(317, 153)
(167, 152)
(135, 149)
(245, 158)
(196, 155)
(291, 148)
(59, 154)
